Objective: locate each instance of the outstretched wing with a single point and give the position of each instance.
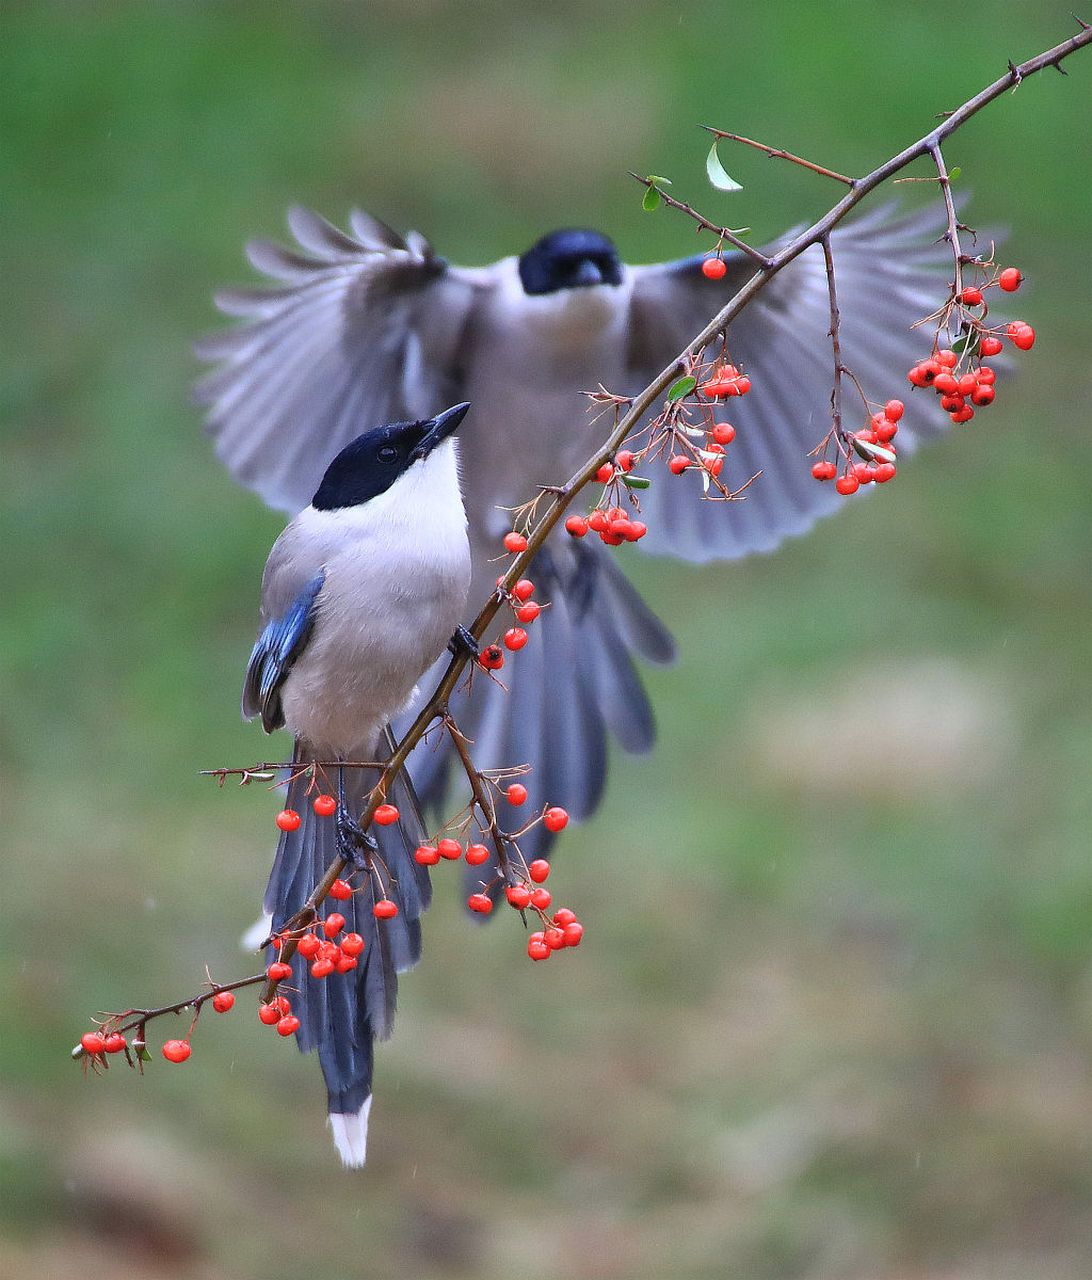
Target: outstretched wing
(274, 652)
(363, 330)
(890, 272)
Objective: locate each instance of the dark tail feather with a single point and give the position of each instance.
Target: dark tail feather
(342, 1014)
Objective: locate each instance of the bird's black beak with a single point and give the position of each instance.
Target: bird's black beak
(587, 274)
(439, 428)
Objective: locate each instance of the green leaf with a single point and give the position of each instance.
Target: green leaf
(969, 342)
(636, 482)
(651, 200)
(658, 180)
(682, 387)
(143, 1054)
(717, 175)
(954, 173)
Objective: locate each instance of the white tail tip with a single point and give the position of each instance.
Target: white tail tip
(256, 934)
(351, 1134)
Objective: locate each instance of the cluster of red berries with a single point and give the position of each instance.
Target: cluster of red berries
(873, 442)
(961, 393)
(725, 381)
(613, 525)
(526, 610)
(710, 457)
(97, 1043)
(325, 806)
(561, 930)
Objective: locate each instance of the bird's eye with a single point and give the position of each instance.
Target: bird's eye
(387, 453)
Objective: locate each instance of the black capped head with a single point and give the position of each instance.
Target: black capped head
(374, 461)
(570, 259)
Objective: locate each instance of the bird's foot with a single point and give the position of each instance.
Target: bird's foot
(353, 842)
(463, 643)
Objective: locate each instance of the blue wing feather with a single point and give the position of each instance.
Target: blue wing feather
(274, 652)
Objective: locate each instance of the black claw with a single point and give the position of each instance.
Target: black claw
(353, 840)
(463, 642)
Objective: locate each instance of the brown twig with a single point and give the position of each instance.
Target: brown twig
(776, 153)
(482, 798)
(724, 233)
(951, 234)
(835, 343)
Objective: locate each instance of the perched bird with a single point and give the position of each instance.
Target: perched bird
(361, 592)
(372, 325)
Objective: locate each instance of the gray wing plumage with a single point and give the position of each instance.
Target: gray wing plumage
(889, 274)
(336, 349)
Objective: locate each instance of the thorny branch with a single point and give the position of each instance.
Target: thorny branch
(776, 153)
(722, 233)
(562, 497)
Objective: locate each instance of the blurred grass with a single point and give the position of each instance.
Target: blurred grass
(832, 1017)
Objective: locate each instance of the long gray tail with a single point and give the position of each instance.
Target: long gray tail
(341, 1015)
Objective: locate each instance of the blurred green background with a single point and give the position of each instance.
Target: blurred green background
(833, 1014)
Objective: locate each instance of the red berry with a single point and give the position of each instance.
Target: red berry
(893, 410)
(563, 916)
(863, 472)
(724, 433)
(308, 946)
(625, 460)
(320, 969)
(426, 855)
(824, 471)
(577, 526)
(963, 415)
(573, 931)
(947, 359)
(491, 658)
(885, 471)
(516, 793)
(327, 950)
(541, 898)
(945, 384)
(990, 346)
(986, 376)
(886, 432)
(537, 948)
(278, 971)
(385, 909)
(1024, 338)
(971, 297)
(597, 521)
(115, 1041)
(539, 870)
(476, 854)
(847, 484)
(743, 385)
(637, 530)
(518, 895)
(1010, 279)
(714, 268)
(678, 464)
(288, 1025)
(982, 396)
(515, 638)
(269, 1013)
(554, 939)
(352, 944)
(280, 1005)
(333, 924)
(480, 902)
(287, 820)
(324, 806)
(529, 612)
(341, 890)
(515, 542)
(93, 1042)
(605, 473)
(176, 1050)
(524, 589)
(386, 814)
(448, 848)
(345, 963)
(555, 819)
